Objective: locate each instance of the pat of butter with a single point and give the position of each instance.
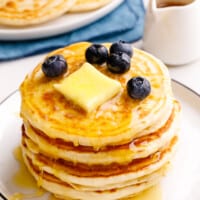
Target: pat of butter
(88, 88)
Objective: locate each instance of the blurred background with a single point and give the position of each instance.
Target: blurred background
(24, 40)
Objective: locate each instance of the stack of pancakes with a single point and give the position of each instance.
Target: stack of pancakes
(30, 12)
(118, 150)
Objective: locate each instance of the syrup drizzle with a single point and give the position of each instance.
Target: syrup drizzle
(154, 193)
(23, 179)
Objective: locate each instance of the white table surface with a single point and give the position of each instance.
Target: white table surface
(12, 73)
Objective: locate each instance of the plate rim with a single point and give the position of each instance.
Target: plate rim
(2, 196)
(186, 87)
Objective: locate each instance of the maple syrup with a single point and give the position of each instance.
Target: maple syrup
(165, 3)
(153, 193)
(23, 179)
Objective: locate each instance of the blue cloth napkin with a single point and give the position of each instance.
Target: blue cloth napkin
(124, 23)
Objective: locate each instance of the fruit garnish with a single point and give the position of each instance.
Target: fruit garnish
(96, 54)
(138, 88)
(123, 47)
(118, 63)
(54, 66)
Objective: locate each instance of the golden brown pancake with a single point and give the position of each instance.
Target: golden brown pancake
(39, 141)
(26, 12)
(118, 150)
(117, 121)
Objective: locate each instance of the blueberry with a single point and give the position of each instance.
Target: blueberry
(118, 63)
(122, 46)
(54, 66)
(96, 54)
(138, 88)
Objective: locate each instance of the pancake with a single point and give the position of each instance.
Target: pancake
(42, 103)
(88, 5)
(117, 150)
(129, 182)
(30, 12)
(101, 175)
(138, 148)
(66, 191)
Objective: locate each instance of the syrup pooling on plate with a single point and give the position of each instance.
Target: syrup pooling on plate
(23, 179)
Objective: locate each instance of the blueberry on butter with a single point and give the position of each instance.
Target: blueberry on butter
(96, 54)
(118, 63)
(123, 47)
(54, 66)
(138, 88)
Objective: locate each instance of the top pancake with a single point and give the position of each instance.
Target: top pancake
(28, 12)
(117, 121)
(88, 5)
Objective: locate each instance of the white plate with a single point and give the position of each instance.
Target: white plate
(60, 25)
(182, 182)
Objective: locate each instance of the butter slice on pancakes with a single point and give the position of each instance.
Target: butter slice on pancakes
(88, 88)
